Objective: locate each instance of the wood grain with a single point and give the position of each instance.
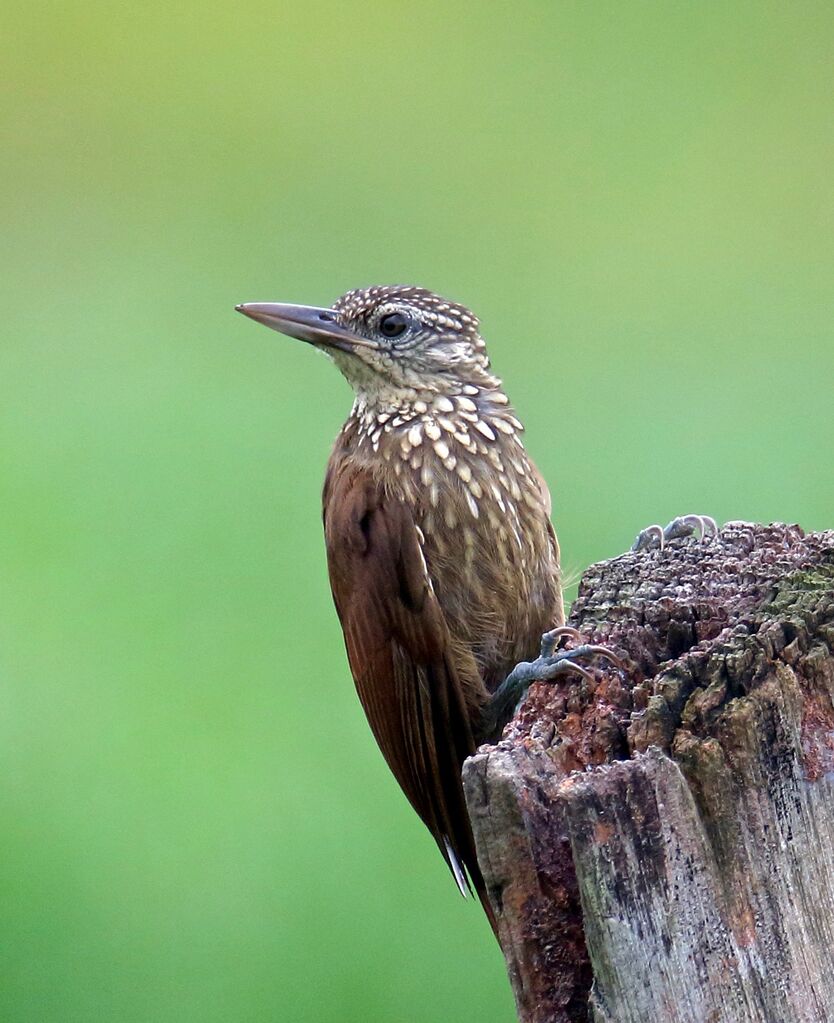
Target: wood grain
(660, 846)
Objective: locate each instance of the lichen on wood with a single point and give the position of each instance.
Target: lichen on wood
(659, 846)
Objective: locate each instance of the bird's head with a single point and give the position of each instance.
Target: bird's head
(392, 343)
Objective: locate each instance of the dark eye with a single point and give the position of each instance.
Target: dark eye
(393, 325)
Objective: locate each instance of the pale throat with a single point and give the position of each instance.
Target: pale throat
(469, 433)
(467, 414)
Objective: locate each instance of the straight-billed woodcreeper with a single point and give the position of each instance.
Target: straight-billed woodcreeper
(443, 563)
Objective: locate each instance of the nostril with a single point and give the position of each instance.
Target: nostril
(327, 317)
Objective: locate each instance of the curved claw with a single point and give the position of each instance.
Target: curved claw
(695, 522)
(596, 650)
(562, 666)
(568, 659)
(551, 639)
(645, 536)
(683, 525)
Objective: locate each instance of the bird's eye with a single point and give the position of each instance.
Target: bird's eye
(393, 325)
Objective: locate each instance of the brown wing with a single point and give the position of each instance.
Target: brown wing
(400, 654)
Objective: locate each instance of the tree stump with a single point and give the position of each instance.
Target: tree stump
(659, 847)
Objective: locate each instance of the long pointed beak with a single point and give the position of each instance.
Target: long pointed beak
(306, 323)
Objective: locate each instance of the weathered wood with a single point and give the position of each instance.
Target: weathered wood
(659, 848)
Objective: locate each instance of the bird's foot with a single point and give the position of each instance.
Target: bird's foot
(683, 525)
(550, 664)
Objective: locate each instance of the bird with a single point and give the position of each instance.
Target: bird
(442, 558)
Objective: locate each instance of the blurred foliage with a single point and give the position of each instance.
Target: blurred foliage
(636, 198)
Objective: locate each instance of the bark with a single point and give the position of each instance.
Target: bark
(659, 846)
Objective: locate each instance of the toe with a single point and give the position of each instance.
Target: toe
(550, 640)
(704, 526)
(646, 537)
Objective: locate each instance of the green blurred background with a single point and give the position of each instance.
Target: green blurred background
(638, 200)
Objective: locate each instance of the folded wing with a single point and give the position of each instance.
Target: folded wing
(401, 655)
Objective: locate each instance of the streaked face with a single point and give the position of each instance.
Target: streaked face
(387, 340)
